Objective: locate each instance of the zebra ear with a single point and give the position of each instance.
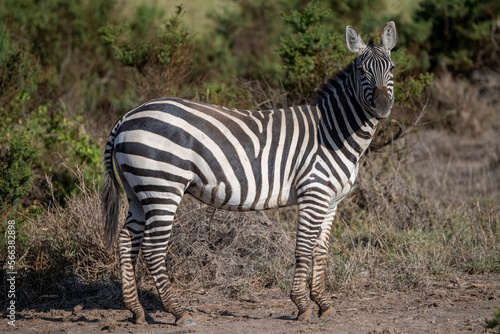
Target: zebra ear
(389, 36)
(354, 42)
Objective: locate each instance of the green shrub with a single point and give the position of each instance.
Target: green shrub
(457, 34)
(54, 74)
(160, 54)
(20, 75)
(15, 170)
(409, 81)
(248, 31)
(61, 38)
(495, 322)
(311, 53)
(54, 29)
(64, 142)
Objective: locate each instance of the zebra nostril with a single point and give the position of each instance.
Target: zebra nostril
(381, 98)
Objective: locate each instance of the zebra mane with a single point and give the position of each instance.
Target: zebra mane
(332, 84)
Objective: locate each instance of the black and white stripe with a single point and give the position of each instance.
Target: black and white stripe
(246, 160)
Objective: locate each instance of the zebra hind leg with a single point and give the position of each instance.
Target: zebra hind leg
(129, 241)
(154, 247)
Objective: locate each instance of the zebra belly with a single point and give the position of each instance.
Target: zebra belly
(216, 196)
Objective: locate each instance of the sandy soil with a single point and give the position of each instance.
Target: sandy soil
(458, 306)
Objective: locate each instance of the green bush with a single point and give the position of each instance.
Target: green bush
(64, 143)
(20, 75)
(161, 54)
(249, 30)
(409, 81)
(61, 38)
(460, 35)
(51, 58)
(495, 322)
(311, 53)
(15, 170)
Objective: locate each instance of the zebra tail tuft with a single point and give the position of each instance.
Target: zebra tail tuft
(110, 196)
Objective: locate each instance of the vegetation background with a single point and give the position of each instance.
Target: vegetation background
(427, 201)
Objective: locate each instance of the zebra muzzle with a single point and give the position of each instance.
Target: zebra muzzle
(382, 103)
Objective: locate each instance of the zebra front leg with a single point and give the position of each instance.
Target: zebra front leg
(311, 215)
(129, 241)
(313, 212)
(154, 248)
(299, 293)
(319, 257)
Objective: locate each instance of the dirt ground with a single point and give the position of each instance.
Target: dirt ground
(458, 306)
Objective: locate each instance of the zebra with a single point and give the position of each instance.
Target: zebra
(243, 160)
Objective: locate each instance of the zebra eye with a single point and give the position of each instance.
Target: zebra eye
(362, 69)
(390, 69)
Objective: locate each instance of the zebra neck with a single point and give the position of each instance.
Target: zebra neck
(343, 120)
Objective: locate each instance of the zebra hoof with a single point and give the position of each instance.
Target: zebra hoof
(185, 320)
(140, 319)
(327, 313)
(305, 315)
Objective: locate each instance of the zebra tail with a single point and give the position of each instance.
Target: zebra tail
(110, 195)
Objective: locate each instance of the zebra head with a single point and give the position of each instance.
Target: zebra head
(373, 70)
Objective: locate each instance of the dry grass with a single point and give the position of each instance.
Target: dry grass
(464, 107)
(72, 236)
(228, 250)
(65, 260)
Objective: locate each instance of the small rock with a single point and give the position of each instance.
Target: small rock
(112, 325)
